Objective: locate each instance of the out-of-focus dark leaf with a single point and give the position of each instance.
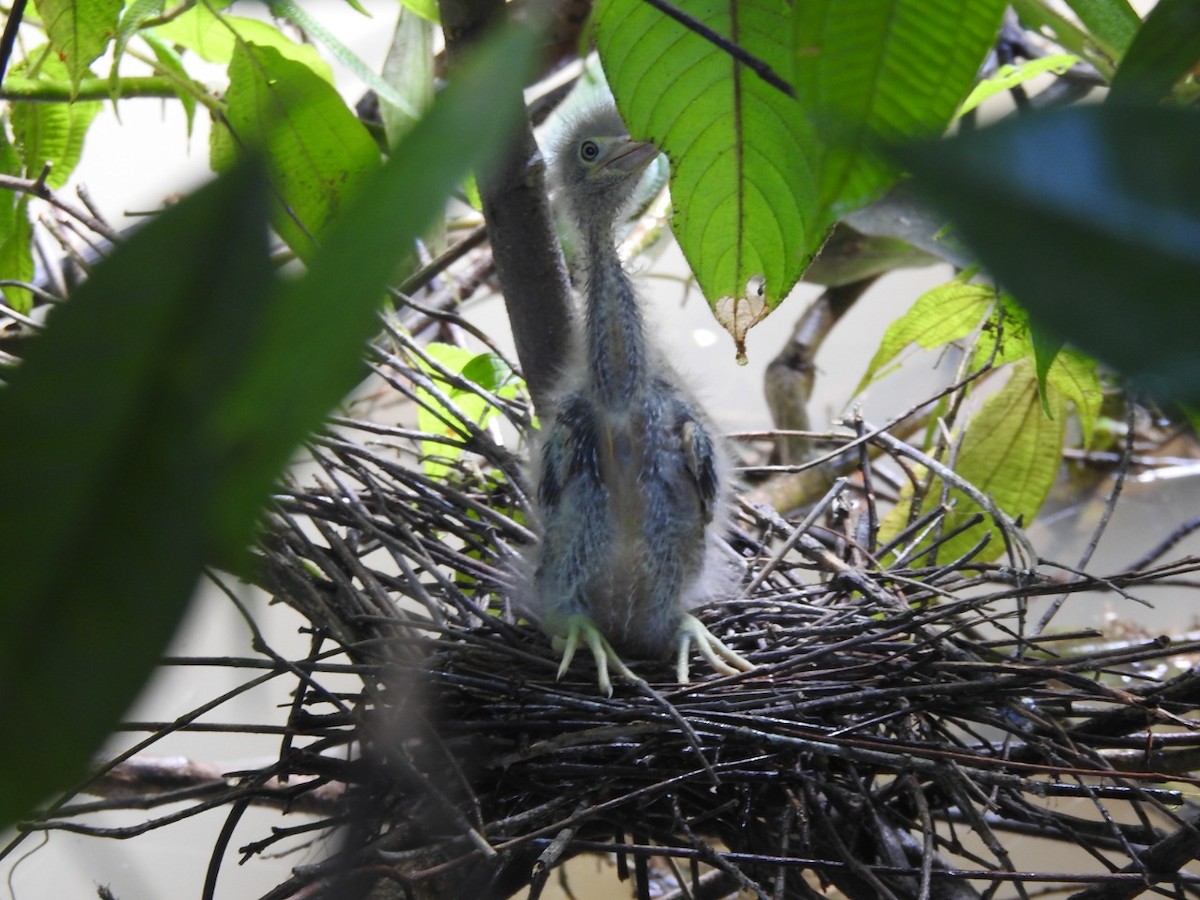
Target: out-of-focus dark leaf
(116, 477)
(147, 426)
(1091, 218)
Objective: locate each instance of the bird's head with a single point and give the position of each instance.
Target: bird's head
(596, 167)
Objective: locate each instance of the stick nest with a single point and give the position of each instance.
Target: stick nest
(905, 726)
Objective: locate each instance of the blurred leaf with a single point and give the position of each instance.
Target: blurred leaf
(409, 70)
(329, 312)
(214, 38)
(1008, 77)
(484, 369)
(1091, 218)
(1166, 48)
(314, 30)
(1112, 23)
(426, 9)
(170, 60)
(1039, 16)
(1010, 450)
(941, 315)
(318, 153)
(16, 258)
(147, 454)
(79, 30)
(109, 423)
(52, 132)
(10, 164)
(131, 20)
(849, 255)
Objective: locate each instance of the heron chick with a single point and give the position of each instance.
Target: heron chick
(632, 486)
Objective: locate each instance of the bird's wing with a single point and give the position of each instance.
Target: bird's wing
(569, 450)
(700, 457)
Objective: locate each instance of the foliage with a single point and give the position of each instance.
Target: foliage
(150, 453)
(1088, 217)
(760, 173)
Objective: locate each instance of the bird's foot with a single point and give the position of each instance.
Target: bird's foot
(720, 656)
(580, 627)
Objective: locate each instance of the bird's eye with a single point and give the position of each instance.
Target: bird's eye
(589, 151)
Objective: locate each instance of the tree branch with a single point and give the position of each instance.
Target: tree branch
(529, 263)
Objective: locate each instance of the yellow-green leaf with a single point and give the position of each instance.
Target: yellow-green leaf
(79, 30)
(946, 313)
(1010, 451)
(486, 370)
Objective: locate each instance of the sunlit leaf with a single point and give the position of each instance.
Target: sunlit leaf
(944, 314)
(214, 37)
(52, 132)
(869, 71)
(486, 370)
(16, 257)
(79, 30)
(319, 154)
(1010, 450)
(1008, 77)
(758, 177)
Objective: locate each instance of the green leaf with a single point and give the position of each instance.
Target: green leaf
(1037, 16)
(944, 314)
(147, 454)
(409, 70)
(486, 370)
(1113, 23)
(426, 9)
(286, 9)
(758, 178)
(215, 37)
(16, 258)
(1075, 376)
(871, 72)
(52, 132)
(1011, 451)
(131, 20)
(1091, 218)
(171, 62)
(744, 189)
(1008, 77)
(319, 154)
(79, 30)
(10, 164)
(1166, 48)
(108, 422)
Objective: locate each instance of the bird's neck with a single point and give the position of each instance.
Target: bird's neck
(616, 339)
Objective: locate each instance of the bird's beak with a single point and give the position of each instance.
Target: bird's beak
(629, 155)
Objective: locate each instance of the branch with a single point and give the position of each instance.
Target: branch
(529, 263)
(39, 90)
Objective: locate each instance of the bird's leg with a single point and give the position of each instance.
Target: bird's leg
(581, 626)
(720, 656)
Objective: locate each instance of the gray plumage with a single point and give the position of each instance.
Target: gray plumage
(631, 482)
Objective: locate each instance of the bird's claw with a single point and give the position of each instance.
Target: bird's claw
(580, 626)
(720, 656)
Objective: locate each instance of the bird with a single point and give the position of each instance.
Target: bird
(632, 484)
